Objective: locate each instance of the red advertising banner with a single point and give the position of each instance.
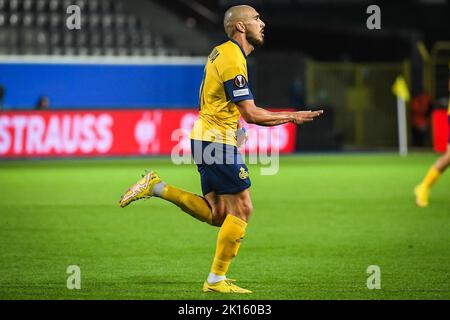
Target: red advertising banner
(440, 130)
(31, 134)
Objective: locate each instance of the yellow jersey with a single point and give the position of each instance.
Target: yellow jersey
(225, 82)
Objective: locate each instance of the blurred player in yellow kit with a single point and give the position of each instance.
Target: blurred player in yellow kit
(422, 191)
(225, 96)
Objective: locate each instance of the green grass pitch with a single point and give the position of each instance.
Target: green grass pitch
(317, 225)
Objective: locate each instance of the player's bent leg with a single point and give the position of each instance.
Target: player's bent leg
(422, 190)
(151, 185)
(195, 205)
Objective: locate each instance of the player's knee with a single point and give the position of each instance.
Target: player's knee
(248, 208)
(245, 210)
(218, 218)
(219, 214)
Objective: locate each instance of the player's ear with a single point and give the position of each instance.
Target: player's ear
(240, 26)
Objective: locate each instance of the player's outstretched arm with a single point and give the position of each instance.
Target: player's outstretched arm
(254, 114)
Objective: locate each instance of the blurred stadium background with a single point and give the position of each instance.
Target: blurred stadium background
(121, 84)
(317, 53)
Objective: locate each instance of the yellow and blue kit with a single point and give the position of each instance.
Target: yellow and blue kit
(213, 137)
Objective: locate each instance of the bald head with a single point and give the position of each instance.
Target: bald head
(235, 14)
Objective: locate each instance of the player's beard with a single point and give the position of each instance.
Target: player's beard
(254, 41)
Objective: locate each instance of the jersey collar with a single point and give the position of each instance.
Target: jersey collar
(237, 43)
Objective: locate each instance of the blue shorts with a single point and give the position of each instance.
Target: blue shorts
(221, 167)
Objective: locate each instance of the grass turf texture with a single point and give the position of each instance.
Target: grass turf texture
(317, 225)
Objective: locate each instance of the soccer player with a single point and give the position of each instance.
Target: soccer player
(225, 96)
(422, 190)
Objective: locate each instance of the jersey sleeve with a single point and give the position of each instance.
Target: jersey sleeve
(235, 80)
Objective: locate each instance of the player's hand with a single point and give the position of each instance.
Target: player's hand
(241, 135)
(300, 117)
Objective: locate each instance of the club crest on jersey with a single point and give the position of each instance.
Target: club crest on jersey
(239, 81)
(243, 174)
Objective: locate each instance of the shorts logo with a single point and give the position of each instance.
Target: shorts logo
(243, 174)
(239, 81)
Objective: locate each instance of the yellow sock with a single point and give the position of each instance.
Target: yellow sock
(190, 203)
(431, 177)
(228, 243)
